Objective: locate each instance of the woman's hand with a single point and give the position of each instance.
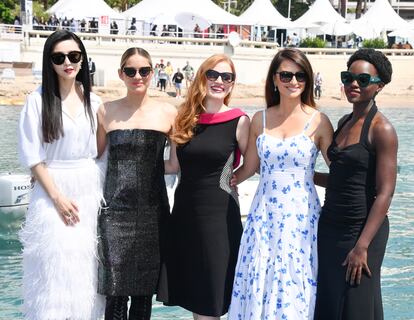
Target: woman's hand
(233, 181)
(67, 209)
(357, 263)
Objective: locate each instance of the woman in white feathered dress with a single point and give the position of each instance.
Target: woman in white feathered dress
(57, 141)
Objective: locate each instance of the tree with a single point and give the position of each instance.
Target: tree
(298, 7)
(122, 4)
(8, 10)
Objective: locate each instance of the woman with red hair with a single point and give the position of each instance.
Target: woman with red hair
(205, 227)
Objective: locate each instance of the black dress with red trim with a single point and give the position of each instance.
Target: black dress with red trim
(205, 228)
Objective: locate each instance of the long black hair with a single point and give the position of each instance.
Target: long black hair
(295, 55)
(52, 124)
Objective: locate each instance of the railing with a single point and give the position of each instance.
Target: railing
(10, 31)
(110, 40)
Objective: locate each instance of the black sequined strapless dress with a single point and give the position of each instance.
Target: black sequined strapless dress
(129, 226)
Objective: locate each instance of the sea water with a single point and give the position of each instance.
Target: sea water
(397, 269)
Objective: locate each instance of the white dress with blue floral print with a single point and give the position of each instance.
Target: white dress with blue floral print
(277, 264)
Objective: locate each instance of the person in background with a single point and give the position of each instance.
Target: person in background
(57, 141)
(92, 70)
(204, 228)
(197, 31)
(162, 78)
(277, 265)
(318, 85)
(177, 80)
(169, 70)
(189, 74)
(114, 28)
(136, 203)
(353, 228)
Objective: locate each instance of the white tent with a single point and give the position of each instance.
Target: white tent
(147, 10)
(380, 17)
(80, 9)
(262, 12)
(320, 12)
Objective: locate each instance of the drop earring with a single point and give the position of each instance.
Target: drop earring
(275, 89)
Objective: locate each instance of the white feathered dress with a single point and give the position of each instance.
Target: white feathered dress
(59, 261)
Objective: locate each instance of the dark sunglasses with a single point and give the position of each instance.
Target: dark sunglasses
(131, 72)
(226, 77)
(59, 57)
(287, 76)
(363, 79)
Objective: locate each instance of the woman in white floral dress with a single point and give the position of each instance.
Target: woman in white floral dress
(277, 266)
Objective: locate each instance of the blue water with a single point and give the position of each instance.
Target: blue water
(398, 266)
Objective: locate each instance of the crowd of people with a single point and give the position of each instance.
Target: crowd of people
(100, 239)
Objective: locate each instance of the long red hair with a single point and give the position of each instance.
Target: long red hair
(191, 108)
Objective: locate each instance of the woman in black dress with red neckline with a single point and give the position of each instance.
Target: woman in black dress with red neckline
(205, 227)
(353, 227)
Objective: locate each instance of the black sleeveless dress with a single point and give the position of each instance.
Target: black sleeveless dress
(205, 226)
(129, 227)
(349, 196)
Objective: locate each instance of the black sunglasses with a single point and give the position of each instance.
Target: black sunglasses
(287, 76)
(226, 77)
(363, 79)
(131, 72)
(59, 57)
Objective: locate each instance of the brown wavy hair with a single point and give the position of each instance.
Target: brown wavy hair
(190, 110)
(298, 57)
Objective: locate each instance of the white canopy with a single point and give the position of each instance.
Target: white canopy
(147, 10)
(380, 17)
(320, 12)
(262, 12)
(80, 9)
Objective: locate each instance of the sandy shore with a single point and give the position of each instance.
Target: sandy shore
(14, 93)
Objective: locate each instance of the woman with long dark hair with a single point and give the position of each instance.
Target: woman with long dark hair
(353, 228)
(205, 227)
(277, 264)
(135, 129)
(57, 141)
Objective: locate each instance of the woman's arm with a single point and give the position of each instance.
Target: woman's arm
(251, 159)
(242, 133)
(172, 166)
(385, 142)
(101, 132)
(324, 140)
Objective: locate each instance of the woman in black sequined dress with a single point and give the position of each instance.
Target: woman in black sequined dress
(353, 227)
(134, 129)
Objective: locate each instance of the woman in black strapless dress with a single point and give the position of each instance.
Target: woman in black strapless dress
(135, 128)
(353, 227)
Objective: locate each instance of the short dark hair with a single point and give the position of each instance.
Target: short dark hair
(52, 125)
(377, 59)
(297, 56)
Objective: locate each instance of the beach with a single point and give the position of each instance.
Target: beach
(15, 92)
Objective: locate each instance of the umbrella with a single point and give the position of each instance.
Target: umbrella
(402, 33)
(188, 21)
(338, 28)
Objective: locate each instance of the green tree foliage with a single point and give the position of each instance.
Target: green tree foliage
(8, 10)
(297, 7)
(122, 5)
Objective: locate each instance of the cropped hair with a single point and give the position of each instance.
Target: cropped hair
(52, 123)
(377, 59)
(299, 58)
(193, 105)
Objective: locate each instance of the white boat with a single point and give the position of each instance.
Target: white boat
(14, 197)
